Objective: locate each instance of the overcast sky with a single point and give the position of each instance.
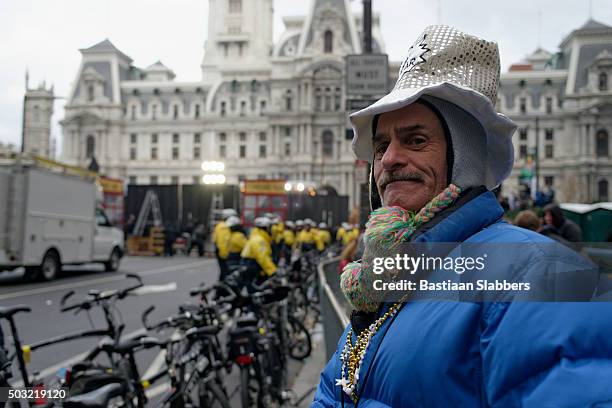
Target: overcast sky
(44, 36)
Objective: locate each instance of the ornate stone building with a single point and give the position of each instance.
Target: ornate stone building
(36, 127)
(268, 110)
(567, 97)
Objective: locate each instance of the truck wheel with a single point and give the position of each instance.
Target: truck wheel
(50, 267)
(31, 273)
(113, 262)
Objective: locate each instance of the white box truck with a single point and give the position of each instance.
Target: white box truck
(49, 218)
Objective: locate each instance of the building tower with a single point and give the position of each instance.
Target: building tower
(239, 37)
(37, 113)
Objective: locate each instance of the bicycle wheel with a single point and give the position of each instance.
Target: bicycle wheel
(245, 398)
(299, 342)
(212, 395)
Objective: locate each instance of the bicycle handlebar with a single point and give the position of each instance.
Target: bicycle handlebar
(99, 297)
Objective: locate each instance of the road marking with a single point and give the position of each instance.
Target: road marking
(157, 390)
(156, 365)
(54, 288)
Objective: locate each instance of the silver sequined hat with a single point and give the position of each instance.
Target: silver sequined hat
(456, 67)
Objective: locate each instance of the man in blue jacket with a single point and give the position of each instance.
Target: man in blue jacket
(437, 148)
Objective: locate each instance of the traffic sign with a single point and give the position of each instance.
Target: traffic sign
(367, 74)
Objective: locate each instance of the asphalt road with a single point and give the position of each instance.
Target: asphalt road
(167, 281)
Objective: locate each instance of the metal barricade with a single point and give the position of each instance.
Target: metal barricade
(334, 308)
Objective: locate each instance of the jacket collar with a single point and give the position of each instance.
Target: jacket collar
(476, 209)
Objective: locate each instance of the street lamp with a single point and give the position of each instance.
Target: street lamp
(213, 172)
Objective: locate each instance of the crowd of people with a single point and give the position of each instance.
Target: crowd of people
(271, 242)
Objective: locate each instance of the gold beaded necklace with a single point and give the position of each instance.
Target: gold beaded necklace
(352, 355)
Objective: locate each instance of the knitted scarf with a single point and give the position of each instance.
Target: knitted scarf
(386, 229)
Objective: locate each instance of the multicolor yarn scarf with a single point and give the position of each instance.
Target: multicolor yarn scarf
(386, 229)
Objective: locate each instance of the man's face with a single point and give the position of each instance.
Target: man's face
(409, 157)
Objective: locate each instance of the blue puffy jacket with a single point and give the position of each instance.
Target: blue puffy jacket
(481, 354)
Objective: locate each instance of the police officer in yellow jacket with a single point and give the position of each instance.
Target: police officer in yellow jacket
(276, 229)
(324, 235)
(236, 241)
(342, 232)
(257, 253)
(288, 240)
(307, 239)
(220, 237)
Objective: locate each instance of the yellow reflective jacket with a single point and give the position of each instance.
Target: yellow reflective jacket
(277, 232)
(236, 243)
(221, 235)
(289, 237)
(258, 248)
(350, 236)
(305, 237)
(340, 234)
(325, 236)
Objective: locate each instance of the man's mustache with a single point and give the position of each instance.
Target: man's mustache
(387, 178)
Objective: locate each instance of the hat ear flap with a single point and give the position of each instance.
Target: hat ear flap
(375, 201)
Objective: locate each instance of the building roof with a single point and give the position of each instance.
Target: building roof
(592, 24)
(105, 46)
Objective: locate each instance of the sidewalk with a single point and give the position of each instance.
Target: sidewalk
(307, 380)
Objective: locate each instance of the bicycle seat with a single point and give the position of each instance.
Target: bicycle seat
(246, 321)
(95, 399)
(8, 311)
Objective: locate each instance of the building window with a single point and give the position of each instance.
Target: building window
(132, 180)
(154, 138)
(523, 134)
(242, 152)
(603, 81)
(133, 138)
(91, 146)
(197, 111)
(288, 101)
(235, 6)
(132, 153)
(523, 104)
(242, 108)
(222, 137)
(196, 180)
(327, 144)
(154, 153)
(318, 103)
(153, 180)
(602, 189)
(223, 108)
(90, 93)
(175, 112)
(327, 103)
(287, 149)
(288, 131)
(242, 136)
(523, 151)
(175, 138)
(222, 151)
(602, 144)
(549, 103)
(175, 153)
(174, 180)
(263, 136)
(262, 151)
(262, 107)
(133, 112)
(197, 153)
(154, 112)
(548, 134)
(197, 138)
(329, 42)
(548, 151)
(549, 181)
